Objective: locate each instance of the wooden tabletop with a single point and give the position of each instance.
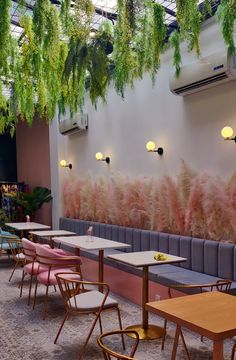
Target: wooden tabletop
(142, 258)
(27, 226)
(211, 314)
(87, 242)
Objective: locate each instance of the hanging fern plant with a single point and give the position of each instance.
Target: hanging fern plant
(226, 14)
(42, 72)
(174, 41)
(46, 29)
(5, 6)
(189, 21)
(125, 59)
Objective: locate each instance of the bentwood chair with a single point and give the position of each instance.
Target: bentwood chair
(83, 297)
(223, 285)
(107, 342)
(50, 263)
(18, 256)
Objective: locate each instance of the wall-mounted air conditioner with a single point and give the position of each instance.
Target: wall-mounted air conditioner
(70, 125)
(210, 71)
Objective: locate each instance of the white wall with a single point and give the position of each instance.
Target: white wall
(187, 128)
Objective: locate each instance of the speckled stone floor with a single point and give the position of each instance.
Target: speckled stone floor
(24, 335)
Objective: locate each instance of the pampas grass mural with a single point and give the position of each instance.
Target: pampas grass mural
(199, 205)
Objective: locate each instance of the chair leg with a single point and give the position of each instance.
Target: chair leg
(21, 283)
(100, 323)
(13, 271)
(88, 337)
(62, 324)
(45, 302)
(120, 325)
(35, 293)
(164, 335)
(184, 343)
(233, 352)
(30, 288)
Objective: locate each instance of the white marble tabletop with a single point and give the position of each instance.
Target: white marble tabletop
(45, 233)
(144, 258)
(87, 242)
(27, 226)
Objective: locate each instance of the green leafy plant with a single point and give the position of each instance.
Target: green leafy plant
(189, 21)
(56, 60)
(125, 59)
(5, 6)
(33, 200)
(226, 14)
(174, 41)
(3, 218)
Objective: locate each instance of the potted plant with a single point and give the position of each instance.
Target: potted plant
(32, 201)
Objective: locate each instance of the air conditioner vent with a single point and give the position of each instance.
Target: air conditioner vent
(200, 83)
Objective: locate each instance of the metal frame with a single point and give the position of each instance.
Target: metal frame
(104, 12)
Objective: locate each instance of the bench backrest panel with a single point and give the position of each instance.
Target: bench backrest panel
(205, 256)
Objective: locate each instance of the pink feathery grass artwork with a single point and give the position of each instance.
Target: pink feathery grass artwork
(199, 205)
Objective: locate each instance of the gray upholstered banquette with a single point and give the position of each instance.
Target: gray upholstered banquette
(207, 260)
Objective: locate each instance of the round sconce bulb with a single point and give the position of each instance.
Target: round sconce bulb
(99, 156)
(150, 146)
(227, 132)
(63, 163)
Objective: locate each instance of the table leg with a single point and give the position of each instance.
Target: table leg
(146, 331)
(176, 341)
(51, 242)
(218, 353)
(101, 268)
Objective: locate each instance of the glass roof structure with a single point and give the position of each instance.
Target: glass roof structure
(104, 9)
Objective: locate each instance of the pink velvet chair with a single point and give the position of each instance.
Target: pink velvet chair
(51, 263)
(31, 266)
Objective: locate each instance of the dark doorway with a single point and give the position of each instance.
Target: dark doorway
(8, 166)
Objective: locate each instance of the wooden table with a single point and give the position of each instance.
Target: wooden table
(90, 243)
(210, 314)
(27, 226)
(145, 259)
(51, 233)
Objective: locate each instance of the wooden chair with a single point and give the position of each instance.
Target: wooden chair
(18, 256)
(83, 297)
(220, 285)
(109, 352)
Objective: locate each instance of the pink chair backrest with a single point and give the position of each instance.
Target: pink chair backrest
(48, 256)
(29, 249)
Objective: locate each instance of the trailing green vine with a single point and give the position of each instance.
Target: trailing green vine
(5, 6)
(57, 60)
(175, 43)
(226, 14)
(124, 57)
(189, 21)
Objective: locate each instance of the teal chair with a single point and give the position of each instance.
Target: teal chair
(4, 237)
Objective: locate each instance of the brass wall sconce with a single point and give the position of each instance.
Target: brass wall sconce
(100, 157)
(227, 133)
(151, 147)
(63, 163)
